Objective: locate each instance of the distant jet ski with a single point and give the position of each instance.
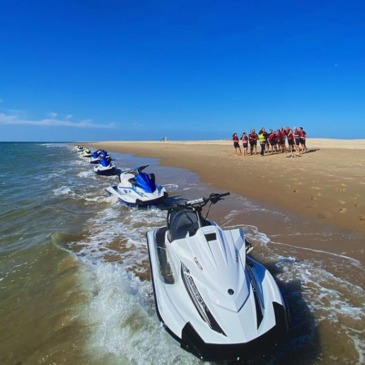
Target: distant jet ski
(78, 148)
(103, 153)
(105, 167)
(86, 152)
(95, 157)
(210, 294)
(137, 188)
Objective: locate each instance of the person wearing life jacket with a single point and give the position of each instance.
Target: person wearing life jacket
(272, 141)
(244, 140)
(236, 144)
(253, 141)
(283, 135)
(291, 142)
(262, 141)
(302, 139)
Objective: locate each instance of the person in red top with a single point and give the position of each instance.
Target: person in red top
(236, 144)
(244, 140)
(280, 137)
(253, 141)
(291, 142)
(302, 139)
(272, 141)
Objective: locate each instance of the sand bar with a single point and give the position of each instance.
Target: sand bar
(326, 184)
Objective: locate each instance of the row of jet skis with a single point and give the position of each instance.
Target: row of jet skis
(211, 294)
(135, 187)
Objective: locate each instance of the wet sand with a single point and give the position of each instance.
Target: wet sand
(326, 184)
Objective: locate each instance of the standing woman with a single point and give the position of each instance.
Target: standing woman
(272, 141)
(244, 140)
(236, 144)
(281, 136)
(291, 142)
(297, 140)
(303, 136)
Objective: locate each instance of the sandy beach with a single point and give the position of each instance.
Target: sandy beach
(325, 184)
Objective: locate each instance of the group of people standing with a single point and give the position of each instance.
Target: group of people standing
(279, 141)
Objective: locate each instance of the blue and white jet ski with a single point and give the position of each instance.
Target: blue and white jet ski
(95, 157)
(137, 188)
(98, 155)
(105, 167)
(211, 295)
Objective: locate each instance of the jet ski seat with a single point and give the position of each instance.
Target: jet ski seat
(184, 222)
(133, 181)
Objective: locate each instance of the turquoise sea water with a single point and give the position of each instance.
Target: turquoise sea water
(74, 275)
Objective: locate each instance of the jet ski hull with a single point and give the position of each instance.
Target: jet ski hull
(105, 172)
(130, 198)
(176, 311)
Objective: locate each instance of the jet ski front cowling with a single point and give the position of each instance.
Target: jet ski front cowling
(218, 298)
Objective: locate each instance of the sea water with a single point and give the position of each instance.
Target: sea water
(75, 285)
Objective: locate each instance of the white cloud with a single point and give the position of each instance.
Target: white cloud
(51, 121)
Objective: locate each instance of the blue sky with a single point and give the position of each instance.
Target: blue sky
(87, 70)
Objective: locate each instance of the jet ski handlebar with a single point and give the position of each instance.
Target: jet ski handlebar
(135, 170)
(195, 206)
(201, 202)
(141, 168)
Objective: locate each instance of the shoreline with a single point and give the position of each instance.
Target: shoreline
(326, 184)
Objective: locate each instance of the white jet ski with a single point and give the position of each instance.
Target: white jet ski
(105, 167)
(137, 188)
(213, 297)
(78, 148)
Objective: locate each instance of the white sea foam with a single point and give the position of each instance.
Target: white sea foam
(329, 297)
(123, 317)
(170, 187)
(326, 253)
(54, 145)
(63, 190)
(120, 231)
(86, 174)
(48, 177)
